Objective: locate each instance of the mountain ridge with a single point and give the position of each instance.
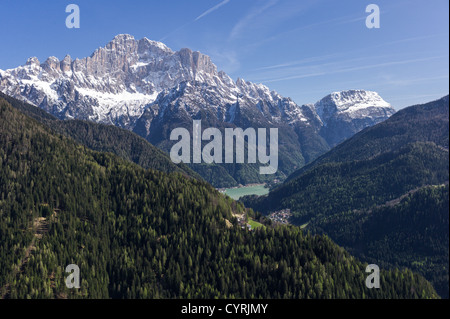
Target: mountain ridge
(429, 118)
(144, 86)
(106, 138)
(132, 62)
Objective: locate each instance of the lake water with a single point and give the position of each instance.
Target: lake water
(237, 193)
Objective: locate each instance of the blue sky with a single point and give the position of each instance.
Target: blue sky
(302, 49)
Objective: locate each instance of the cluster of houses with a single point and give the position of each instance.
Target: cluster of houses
(281, 216)
(242, 221)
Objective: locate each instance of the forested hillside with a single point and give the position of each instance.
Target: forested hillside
(379, 165)
(105, 138)
(139, 233)
(408, 232)
(332, 188)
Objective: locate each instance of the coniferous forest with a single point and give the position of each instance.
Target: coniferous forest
(144, 233)
(382, 194)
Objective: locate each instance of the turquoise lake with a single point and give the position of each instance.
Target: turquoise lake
(237, 193)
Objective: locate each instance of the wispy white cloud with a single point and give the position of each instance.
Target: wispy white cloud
(334, 22)
(411, 39)
(291, 32)
(246, 20)
(297, 62)
(315, 65)
(175, 31)
(209, 11)
(389, 81)
(349, 69)
(339, 62)
(415, 97)
(228, 59)
(212, 9)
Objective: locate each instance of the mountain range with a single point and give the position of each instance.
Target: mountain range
(85, 178)
(144, 86)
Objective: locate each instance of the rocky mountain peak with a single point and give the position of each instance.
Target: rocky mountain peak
(254, 90)
(32, 61)
(346, 99)
(197, 61)
(123, 37)
(348, 112)
(122, 44)
(350, 102)
(66, 64)
(149, 49)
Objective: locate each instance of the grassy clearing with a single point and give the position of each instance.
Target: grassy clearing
(254, 224)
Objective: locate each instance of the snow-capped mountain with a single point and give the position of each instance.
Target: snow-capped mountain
(348, 112)
(113, 85)
(144, 86)
(117, 82)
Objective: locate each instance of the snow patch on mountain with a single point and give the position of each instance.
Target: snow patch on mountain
(126, 77)
(352, 104)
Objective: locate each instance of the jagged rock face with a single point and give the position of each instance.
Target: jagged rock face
(144, 86)
(113, 85)
(345, 113)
